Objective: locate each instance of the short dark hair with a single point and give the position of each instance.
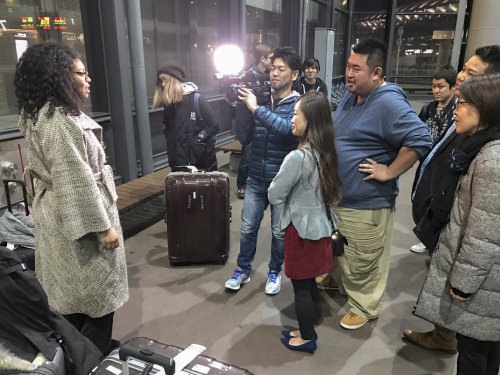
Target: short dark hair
(483, 92)
(260, 50)
(44, 74)
(311, 61)
(375, 50)
(491, 56)
(289, 56)
(448, 73)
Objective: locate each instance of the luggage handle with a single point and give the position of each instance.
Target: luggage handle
(147, 355)
(25, 196)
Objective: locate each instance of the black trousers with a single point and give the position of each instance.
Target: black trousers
(306, 299)
(97, 330)
(477, 357)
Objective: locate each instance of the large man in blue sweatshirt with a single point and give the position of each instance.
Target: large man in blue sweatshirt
(378, 137)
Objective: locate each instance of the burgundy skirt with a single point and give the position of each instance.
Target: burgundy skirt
(305, 259)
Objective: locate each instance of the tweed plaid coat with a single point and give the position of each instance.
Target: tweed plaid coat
(75, 198)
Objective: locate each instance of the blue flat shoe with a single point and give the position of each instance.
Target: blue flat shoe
(287, 333)
(309, 346)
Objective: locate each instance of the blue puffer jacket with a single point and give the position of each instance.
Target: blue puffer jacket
(269, 130)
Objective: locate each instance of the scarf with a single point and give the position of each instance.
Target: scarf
(438, 213)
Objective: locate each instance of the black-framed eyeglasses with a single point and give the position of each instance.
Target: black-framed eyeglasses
(83, 73)
(461, 102)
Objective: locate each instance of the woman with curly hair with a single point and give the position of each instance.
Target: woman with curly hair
(79, 257)
(307, 184)
(189, 123)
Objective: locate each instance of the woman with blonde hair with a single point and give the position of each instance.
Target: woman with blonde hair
(189, 123)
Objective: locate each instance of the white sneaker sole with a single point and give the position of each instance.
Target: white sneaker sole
(418, 249)
(244, 281)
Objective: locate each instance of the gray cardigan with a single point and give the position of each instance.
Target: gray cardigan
(468, 255)
(295, 186)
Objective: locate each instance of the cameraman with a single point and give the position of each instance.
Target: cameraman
(262, 55)
(269, 129)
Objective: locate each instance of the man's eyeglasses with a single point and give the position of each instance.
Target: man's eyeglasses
(82, 74)
(461, 102)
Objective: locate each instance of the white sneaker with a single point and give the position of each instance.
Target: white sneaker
(273, 284)
(418, 248)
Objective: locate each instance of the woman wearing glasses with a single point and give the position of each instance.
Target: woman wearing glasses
(462, 289)
(79, 257)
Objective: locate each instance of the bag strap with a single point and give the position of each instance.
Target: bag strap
(328, 213)
(197, 105)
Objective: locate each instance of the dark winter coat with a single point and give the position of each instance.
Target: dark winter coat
(269, 130)
(190, 136)
(319, 86)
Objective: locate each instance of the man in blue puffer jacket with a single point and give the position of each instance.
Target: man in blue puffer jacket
(269, 129)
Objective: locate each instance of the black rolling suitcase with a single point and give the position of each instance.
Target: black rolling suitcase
(146, 356)
(197, 216)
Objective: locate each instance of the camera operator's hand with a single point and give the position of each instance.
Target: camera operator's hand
(247, 97)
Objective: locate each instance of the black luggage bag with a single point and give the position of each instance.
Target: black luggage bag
(137, 350)
(197, 216)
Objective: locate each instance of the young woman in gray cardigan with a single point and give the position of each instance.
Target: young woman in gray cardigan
(306, 184)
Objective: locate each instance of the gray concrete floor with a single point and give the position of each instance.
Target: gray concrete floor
(185, 305)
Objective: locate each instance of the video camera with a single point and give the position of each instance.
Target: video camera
(259, 87)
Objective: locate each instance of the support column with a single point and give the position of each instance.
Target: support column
(484, 28)
(139, 81)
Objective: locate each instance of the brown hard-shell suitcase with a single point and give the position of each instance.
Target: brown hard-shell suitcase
(198, 215)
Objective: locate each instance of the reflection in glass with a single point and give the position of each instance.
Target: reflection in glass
(264, 21)
(23, 25)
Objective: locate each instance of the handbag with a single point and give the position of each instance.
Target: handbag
(338, 239)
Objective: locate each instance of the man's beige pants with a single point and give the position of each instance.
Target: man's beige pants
(364, 268)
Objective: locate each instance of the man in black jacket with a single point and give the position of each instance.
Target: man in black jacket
(438, 113)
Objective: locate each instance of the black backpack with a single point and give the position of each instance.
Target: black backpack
(28, 326)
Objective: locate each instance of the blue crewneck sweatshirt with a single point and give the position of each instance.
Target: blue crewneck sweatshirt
(375, 128)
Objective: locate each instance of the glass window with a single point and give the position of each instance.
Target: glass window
(264, 21)
(423, 42)
(371, 6)
(316, 17)
(339, 56)
(25, 23)
(368, 26)
(188, 32)
(342, 5)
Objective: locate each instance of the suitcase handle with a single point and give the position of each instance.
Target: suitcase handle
(25, 196)
(147, 355)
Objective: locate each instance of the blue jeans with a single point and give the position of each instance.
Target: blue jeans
(254, 205)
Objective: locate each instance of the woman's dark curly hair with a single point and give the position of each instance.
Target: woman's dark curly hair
(44, 74)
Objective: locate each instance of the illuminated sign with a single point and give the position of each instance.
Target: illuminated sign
(44, 23)
(59, 23)
(27, 23)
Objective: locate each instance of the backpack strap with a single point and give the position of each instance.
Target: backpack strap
(197, 105)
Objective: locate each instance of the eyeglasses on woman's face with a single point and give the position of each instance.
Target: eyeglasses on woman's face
(83, 73)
